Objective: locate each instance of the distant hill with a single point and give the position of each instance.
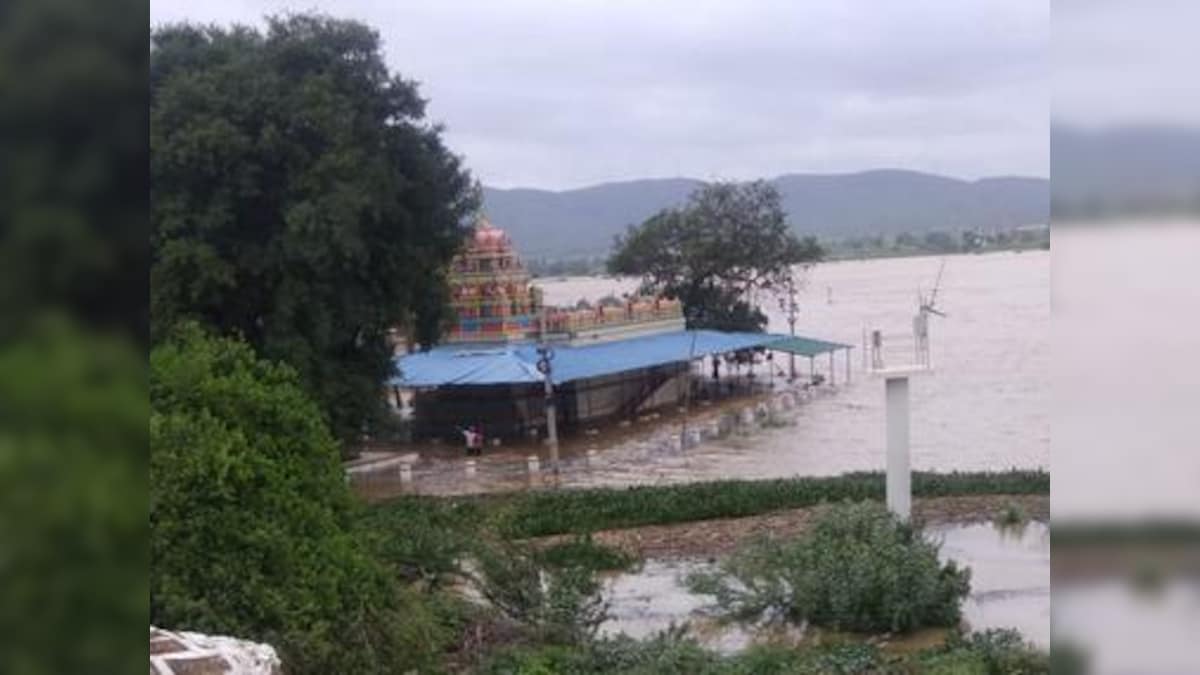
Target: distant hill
(584, 221)
(1133, 168)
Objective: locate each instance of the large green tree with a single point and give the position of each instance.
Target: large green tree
(729, 241)
(253, 529)
(299, 199)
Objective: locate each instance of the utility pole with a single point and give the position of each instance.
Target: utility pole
(545, 356)
(791, 307)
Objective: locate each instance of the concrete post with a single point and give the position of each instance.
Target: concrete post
(406, 475)
(535, 464)
(471, 466)
(899, 473)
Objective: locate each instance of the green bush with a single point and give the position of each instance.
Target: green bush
(251, 520)
(553, 605)
(858, 569)
(674, 653)
(536, 514)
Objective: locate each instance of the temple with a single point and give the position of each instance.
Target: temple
(495, 302)
(612, 360)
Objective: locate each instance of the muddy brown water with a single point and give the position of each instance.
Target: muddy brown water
(1010, 588)
(983, 408)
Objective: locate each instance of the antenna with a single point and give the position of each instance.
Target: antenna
(929, 305)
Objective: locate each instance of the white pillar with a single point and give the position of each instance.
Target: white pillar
(899, 474)
(406, 474)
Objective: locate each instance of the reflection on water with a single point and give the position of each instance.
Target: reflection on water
(1010, 588)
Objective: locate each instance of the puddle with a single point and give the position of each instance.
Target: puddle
(1010, 588)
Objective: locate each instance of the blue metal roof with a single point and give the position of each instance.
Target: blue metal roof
(517, 363)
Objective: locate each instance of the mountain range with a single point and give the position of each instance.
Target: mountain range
(583, 221)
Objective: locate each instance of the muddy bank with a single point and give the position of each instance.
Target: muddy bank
(716, 538)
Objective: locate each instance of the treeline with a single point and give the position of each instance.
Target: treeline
(566, 267)
(938, 242)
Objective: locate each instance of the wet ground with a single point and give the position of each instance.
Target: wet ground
(1010, 588)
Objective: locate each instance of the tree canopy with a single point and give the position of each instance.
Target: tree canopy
(300, 200)
(252, 525)
(728, 241)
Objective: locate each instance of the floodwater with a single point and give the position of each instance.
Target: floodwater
(985, 406)
(1010, 588)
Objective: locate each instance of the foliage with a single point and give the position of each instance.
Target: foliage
(72, 499)
(423, 539)
(729, 241)
(251, 520)
(992, 652)
(858, 569)
(73, 222)
(300, 200)
(673, 652)
(582, 551)
(557, 605)
(536, 514)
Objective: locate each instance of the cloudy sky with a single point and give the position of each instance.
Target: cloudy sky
(565, 93)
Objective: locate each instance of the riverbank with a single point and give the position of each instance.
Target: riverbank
(533, 514)
(719, 537)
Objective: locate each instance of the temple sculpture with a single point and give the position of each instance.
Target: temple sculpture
(494, 301)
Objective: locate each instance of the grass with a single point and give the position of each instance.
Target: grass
(542, 513)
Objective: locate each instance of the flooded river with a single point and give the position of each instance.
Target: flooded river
(984, 407)
(1010, 588)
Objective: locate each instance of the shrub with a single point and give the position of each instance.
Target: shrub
(251, 520)
(1012, 515)
(858, 569)
(555, 605)
(992, 652)
(583, 551)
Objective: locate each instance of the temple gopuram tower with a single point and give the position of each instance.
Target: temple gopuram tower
(490, 290)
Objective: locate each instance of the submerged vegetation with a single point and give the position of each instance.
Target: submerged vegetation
(858, 569)
(536, 514)
(1012, 515)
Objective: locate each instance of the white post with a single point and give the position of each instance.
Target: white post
(899, 473)
(471, 466)
(534, 463)
(406, 475)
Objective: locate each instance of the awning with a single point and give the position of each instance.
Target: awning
(804, 346)
(451, 365)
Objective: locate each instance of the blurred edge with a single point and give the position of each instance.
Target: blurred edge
(1125, 182)
(73, 314)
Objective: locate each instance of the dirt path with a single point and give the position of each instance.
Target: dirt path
(715, 538)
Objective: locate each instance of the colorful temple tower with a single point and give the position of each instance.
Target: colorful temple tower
(495, 302)
(490, 290)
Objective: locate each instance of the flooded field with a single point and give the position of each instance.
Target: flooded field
(1010, 588)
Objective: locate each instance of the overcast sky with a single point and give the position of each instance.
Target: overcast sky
(561, 93)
